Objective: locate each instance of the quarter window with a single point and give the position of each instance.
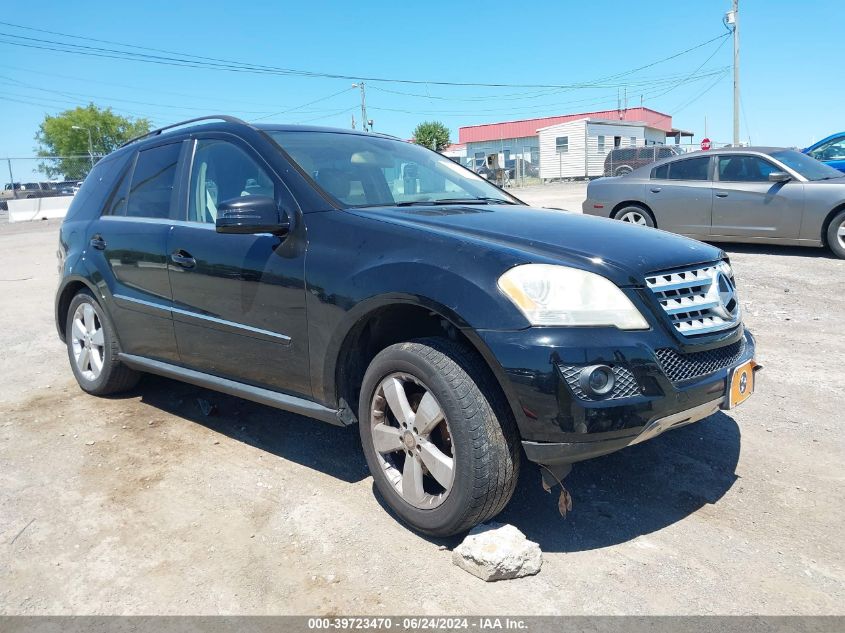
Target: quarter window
(660, 173)
(690, 169)
(744, 169)
(562, 144)
(223, 171)
(151, 191)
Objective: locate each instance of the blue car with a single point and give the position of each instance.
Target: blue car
(830, 150)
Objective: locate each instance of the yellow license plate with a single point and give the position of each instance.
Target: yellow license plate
(741, 384)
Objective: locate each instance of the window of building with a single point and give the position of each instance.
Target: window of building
(690, 169)
(562, 144)
(601, 145)
(633, 140)
(151, 191)
(617, 141)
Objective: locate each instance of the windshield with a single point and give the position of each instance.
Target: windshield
(805, 165)
(363, 171)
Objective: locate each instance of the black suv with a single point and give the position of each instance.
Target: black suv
(357, 278)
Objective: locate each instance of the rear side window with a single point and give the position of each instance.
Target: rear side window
(660, 173)
(690, 169)
(116, 203)
(151, 194)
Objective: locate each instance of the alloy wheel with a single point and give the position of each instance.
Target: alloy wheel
(634, 217)
(412, 441)
(840, 234)
(87, 341)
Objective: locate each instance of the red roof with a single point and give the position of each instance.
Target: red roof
(529, 127)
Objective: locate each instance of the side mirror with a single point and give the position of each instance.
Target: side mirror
(251, 214)
(779, 176)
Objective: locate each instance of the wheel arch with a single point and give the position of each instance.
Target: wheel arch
(383, 321)
(69, 289)
(828, 219)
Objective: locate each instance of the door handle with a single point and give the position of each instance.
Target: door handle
(98, 242)
(721, 194)
(183, 259)
(656, 189)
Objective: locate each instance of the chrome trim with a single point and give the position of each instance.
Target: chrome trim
(165, 221)
(204, 317)
(149, 304)
(696, 300)
(233, 324)
(677, 420)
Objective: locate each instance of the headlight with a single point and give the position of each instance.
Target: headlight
(558, 295)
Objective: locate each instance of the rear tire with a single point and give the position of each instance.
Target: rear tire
(836, 235)
(93, 349)
(450, 459)
(635, 214)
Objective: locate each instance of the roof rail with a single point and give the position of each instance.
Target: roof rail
(214, 117)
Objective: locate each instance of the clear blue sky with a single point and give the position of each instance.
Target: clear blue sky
(791, 65)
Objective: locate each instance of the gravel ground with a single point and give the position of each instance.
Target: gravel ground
(140, 504)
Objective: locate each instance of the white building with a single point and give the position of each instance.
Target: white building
(577, 149)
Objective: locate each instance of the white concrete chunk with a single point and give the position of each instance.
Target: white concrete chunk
(498, 552)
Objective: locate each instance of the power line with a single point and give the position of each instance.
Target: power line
(335, 94)
(195, 61)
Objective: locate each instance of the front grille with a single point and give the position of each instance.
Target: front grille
(679, 367)
(698, 300)
(625, 386)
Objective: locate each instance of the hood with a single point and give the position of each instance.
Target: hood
(620, 251)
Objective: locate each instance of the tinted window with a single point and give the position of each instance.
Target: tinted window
(116, 204)
(665, 152)
(223, 171)
(690, 169)
(744, 169)
(151, 193)
(661, 172)
(624, 154)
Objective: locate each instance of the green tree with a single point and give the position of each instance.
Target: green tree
(66, 134)
(432, 134)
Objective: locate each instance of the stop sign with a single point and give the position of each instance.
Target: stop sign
(705, 143)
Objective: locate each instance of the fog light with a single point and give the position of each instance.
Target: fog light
(597, 380)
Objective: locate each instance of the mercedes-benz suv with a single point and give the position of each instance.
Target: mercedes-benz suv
(357, 278)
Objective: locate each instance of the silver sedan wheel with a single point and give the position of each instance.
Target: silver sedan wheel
(87, 341)
(634, 217)
(412, 441)
(840, 235)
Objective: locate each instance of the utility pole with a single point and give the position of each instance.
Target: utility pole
(365, 123)
(733, 18)
(12, 180)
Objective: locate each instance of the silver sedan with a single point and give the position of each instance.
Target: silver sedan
(765, 195)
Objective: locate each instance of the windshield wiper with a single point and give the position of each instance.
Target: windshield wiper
(441, 201)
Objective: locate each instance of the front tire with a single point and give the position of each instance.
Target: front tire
(836, 235)
(93, 349)
(439, 439)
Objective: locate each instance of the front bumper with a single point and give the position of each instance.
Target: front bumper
(664, 385)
